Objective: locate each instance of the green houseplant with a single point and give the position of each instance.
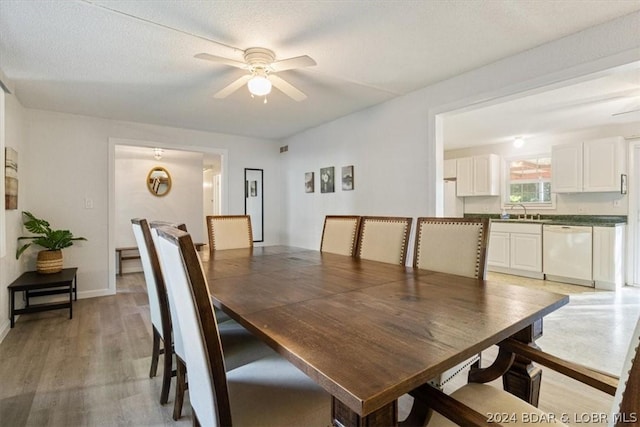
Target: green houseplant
(50, 259)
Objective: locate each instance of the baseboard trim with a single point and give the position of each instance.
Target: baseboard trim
(5, 327)
(96, 293)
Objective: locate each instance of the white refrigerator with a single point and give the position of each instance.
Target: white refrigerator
(453, 205)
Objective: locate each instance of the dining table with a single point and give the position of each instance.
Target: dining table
(370, 332)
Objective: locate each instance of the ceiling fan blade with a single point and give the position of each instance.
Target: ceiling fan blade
(222, 60)
(287, 88)
(291, 63)
(233, 87)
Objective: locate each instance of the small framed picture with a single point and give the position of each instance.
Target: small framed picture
(327, 183)
(309, 183)
(347, 178)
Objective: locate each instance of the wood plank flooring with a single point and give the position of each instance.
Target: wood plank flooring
(89, 371)
(94, 370)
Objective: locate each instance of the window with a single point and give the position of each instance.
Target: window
(528, 181)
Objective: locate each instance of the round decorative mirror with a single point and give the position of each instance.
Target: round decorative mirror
(159, 181)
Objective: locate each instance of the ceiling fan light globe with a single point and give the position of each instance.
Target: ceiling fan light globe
(259, 86)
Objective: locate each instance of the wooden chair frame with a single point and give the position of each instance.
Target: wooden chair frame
(165, 315)
(483, 243)
(628, 400)
(207, 320)
(395, 219)
(181, 370)
(358, 219)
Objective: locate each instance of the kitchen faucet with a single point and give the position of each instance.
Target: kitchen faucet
(523, 207)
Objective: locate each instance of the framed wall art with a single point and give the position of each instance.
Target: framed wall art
(347, 178)
(327, 180)
(10, 178)
(309, 183)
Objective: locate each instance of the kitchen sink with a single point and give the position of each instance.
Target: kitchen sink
(524, 220)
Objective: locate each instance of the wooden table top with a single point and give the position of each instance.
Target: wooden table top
(367, 332)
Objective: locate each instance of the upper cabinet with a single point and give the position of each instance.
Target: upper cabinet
(590, 166)
(449, 169)
(478, 176)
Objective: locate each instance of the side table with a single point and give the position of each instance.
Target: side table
(34, 284)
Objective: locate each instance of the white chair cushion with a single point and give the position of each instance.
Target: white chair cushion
(150, 280)
(272, 392)
(240, 346)
(178, 346)
(488, 400)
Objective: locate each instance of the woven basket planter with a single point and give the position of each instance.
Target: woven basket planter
(49, 262)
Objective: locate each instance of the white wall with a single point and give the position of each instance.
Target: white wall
(183, 203)
(68, 159)
(396, 146)
(566, 204)
(10, 268)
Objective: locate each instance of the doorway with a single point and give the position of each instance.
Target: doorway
(198, 188)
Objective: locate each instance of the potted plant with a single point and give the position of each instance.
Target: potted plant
(49, 260)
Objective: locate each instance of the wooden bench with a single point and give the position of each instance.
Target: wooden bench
(131, 252)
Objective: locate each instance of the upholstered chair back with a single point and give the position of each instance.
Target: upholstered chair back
(208, 391)
(384, 239)
(452, 245)
(340, 234)
(229, 232)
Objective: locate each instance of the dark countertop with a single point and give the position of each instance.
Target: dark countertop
(575, 220)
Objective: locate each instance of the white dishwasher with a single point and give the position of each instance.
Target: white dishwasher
(567, 254)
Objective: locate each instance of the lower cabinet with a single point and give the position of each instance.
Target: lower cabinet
(608, 256)
(516, 249)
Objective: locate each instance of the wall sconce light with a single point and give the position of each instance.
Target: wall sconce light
(518, 142)
(157, 153)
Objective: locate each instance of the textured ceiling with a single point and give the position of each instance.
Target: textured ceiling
(604, 100)
(134, 60)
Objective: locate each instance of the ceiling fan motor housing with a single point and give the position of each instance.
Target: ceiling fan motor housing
(259, 58)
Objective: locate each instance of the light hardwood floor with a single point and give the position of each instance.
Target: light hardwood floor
(93, 370)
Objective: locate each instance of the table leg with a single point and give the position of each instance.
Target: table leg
(71, 300)
(343, 416)
(13, 308)
(75, 287)
(523, 378)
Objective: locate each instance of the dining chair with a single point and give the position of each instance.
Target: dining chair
(158, 305)
(470, 404)
(241, 347)
(340, 234)
(229, 232)
(269, 391)
(454, 246)
(384, 239)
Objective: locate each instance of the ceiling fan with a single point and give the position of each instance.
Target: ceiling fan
(262, 66)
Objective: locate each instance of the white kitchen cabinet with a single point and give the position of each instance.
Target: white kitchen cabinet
(608, 256)
(498, 254)
(464, 177)
(590, 166)
(478, 175)
(604, 160)
(515, 249)
(526, 251)
(449, 169)
(566, 168)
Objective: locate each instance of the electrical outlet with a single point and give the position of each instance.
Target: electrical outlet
(581, 209)
(616, 203)
(88, 203)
